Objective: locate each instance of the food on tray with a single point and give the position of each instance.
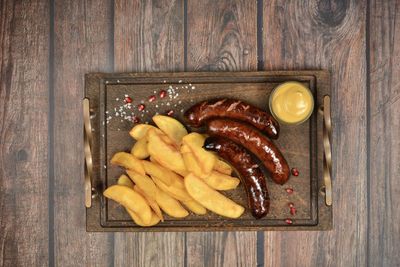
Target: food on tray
(249, 171)
(256, 142)
(144, 182)
(291, 103)
(128, 161)
(223, 167)
(195, 207)
(170, 168)
(175, 190)
(171, 127)
(156, 170)
(170, 205)
(139, 149)
(153, 221)
(131, 200)
(151, 201)
(193, 143)
(140, 131)
(211, 199)
(124, 180)
(202, 112)
(165, 154)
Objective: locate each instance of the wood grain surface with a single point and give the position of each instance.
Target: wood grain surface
(149, 37)
(24, 107)
(81, 44)
(47, 46)
(384, 126)
(310, 35)
(221, 36)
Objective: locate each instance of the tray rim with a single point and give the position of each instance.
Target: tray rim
(102, 79)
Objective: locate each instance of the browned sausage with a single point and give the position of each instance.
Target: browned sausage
(250, 173)
(232, 109)
(256, 142)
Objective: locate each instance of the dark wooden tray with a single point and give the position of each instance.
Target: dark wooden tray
(302, 146)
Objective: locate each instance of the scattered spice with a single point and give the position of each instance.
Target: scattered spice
(295, 172)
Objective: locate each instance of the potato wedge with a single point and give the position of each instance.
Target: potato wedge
(170, 205)
(167, 155)
(139, 149)
(139, 131)
(144, 182)
(220, 181)
(171, 127)
(124, 180)
(205, 159)
(128, 161)
(195, 207)
(173, 190)
(164, 174)
(191, 163)
(151, 201)
(223, 167)
(131, 200)
(211, 199)
(154, 219)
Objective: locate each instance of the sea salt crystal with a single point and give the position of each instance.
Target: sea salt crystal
(168, 104)
(117, 99)
(193, 87)
(180, 81)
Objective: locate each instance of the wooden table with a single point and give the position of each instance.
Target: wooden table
(47, 46)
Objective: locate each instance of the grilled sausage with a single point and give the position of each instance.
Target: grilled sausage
(256, 142)
(232, 109)
(250, 173)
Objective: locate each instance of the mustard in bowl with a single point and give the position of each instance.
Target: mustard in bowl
(291, 103)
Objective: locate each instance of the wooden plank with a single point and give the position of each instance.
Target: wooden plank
(314, 35)
(221, 36)
(149, 37)
(24, 105)
(384, 165)
(81, 44)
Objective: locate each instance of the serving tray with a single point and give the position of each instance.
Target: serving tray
(108, 117)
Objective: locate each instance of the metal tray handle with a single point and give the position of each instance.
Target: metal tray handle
(87, 132)
(325, 109)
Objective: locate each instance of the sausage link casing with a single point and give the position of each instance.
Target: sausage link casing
(256, 142)
(198, 114)
(250, 173)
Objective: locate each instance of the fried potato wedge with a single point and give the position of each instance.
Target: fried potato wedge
(164, 174)
(165, 154)
(139, 131)
(125, 180)
(220, 181)
(191, 163)
(170, 205)
(131, 200)
(211, 199)
(205, 159)
(173, 190)
(223, 167)
(151, 201)
(195, 207)
(154, 219)
(171, 127)
(139, 149)
(128, 161)
(144, 182)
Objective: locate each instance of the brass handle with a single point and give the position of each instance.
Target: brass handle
(87, 132)
(327, 135)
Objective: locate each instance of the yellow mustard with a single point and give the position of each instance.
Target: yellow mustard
(291, 103)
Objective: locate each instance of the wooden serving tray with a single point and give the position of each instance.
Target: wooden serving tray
(301, 145)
